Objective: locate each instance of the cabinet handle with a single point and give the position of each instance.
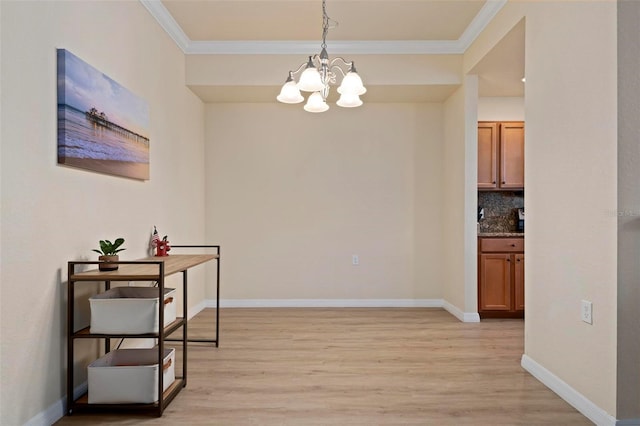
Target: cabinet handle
(508, 260)
(494, 182)
(518, 260)
(513, 245)
(503, 182)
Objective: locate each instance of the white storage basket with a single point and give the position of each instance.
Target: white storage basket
(130, 310)
(129, 376)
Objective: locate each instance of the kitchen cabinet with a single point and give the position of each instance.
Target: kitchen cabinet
(501, 277)
(501, 155)
(518, 284)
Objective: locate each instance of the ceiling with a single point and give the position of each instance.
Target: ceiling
(302, 19)
(501, 70)
(369, 27)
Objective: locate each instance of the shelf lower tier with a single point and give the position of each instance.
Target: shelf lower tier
(85, 333)
(81, 405)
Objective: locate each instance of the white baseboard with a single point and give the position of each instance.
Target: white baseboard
(462, 316)
(57, 410)
(195, 310)
(326, 303)
(569, 394)
(346, 303)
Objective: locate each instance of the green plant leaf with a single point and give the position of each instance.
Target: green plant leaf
(108, 248)
(118, 242)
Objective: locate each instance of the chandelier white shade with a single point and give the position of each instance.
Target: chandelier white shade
(290, 94)
(316, 103)
(349, 101)
(318, 74)
(310, 80)
(352, 84)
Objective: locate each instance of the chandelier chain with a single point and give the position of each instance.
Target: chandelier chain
(325, 24)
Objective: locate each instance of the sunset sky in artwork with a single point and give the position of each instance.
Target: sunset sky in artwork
(86, 87)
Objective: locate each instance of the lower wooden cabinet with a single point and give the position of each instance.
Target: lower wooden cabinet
(501, 277)
(518, 284)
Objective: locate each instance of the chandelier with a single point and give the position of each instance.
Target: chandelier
(318, 73)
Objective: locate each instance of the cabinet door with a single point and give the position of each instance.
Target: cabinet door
(495, 282)
(512, 155)
(518, 279)
(487, 155)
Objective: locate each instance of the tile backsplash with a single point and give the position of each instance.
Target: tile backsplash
(500, 210)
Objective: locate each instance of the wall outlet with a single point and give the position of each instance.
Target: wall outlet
(355, 260)
(586, 312)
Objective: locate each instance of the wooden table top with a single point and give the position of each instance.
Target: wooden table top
(145, 269)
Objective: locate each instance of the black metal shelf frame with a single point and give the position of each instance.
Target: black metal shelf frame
(218, 260)
(163, 399)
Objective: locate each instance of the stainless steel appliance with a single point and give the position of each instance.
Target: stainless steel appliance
(520, 226)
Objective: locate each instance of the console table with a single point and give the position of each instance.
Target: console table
(147, 269)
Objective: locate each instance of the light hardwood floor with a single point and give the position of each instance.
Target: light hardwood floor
(355, 367)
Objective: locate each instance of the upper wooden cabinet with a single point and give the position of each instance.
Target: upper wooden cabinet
(501, 155)
(487, 155)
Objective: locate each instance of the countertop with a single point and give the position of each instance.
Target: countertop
(500, 234)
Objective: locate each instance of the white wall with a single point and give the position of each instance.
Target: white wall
(501, 109)
(460, 162)
(572, 142)
(453, 199)
(292, 196)
(53, 214)
(570, 107)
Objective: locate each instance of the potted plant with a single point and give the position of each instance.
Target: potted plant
(109, 253)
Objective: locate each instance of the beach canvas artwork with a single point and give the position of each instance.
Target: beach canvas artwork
(102, 126)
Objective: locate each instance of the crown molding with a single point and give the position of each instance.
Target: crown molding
(480, 21)
(371, 47)
(166, 21)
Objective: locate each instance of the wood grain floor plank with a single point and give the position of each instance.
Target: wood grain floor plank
(355, 367)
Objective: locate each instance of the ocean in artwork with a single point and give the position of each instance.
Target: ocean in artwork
(101, 125)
